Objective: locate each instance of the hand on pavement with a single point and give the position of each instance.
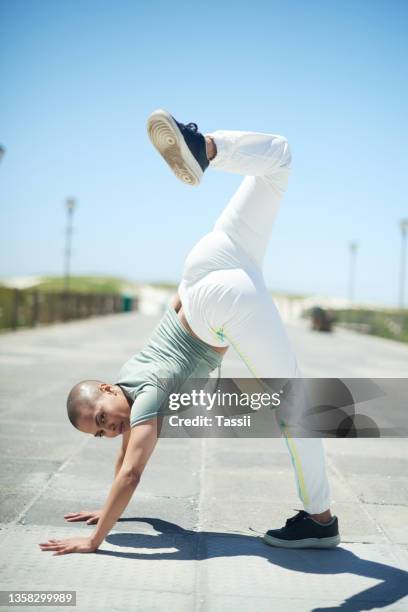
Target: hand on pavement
(70, 545)
(91, 518)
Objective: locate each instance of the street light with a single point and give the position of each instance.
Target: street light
(353, 246)
(70, 205)
(404, 228)
(2, 152)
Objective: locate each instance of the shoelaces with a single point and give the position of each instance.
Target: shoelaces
(298, 517)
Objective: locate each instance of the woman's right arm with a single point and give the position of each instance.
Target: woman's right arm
(92, 516)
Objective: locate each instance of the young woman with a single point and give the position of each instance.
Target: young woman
(222, 302)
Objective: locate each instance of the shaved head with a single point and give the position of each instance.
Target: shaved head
(83, 397)
(98, 408)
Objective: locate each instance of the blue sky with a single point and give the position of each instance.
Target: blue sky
(79, 79)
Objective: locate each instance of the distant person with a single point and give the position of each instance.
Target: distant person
(222, 302)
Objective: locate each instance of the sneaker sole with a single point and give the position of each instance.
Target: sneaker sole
(306, 543)
(166, 137)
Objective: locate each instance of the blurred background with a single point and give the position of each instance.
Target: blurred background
(92, 220)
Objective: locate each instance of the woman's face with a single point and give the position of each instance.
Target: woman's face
(110, 416)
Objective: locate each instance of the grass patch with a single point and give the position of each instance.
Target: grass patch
(84, 284)
(386, 323)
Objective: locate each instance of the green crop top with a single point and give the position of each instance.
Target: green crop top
(171, 357)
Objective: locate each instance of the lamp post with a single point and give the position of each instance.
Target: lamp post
(403, 261)
(70, 206)
(353, 246)
(2, 152)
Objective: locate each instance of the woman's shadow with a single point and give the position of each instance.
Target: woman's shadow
(199, 545)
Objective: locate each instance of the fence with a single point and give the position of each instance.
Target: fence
(29, 308)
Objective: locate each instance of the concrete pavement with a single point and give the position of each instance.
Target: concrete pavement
(190, 538)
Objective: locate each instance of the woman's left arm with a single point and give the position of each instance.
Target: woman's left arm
(143, 438)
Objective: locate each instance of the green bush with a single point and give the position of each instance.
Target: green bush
(387, 323)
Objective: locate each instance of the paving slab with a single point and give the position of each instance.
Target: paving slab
(239, 570)
(381, 449)
(249, 517)
(393, 520)
(353, 573)
(125, 570)
(377, 467)
(190, 538)
(50, 508)
(159, 482)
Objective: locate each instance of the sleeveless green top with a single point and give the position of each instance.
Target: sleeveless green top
(171, 357)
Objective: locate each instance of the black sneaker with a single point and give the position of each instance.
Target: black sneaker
(182, 146)
(301, 531)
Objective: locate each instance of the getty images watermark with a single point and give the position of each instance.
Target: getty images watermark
(300, 407)
(220, 399)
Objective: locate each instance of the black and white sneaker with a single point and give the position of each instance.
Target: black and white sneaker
(301, 531)
(182, 146)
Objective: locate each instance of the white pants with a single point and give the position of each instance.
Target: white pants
(224, 296)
